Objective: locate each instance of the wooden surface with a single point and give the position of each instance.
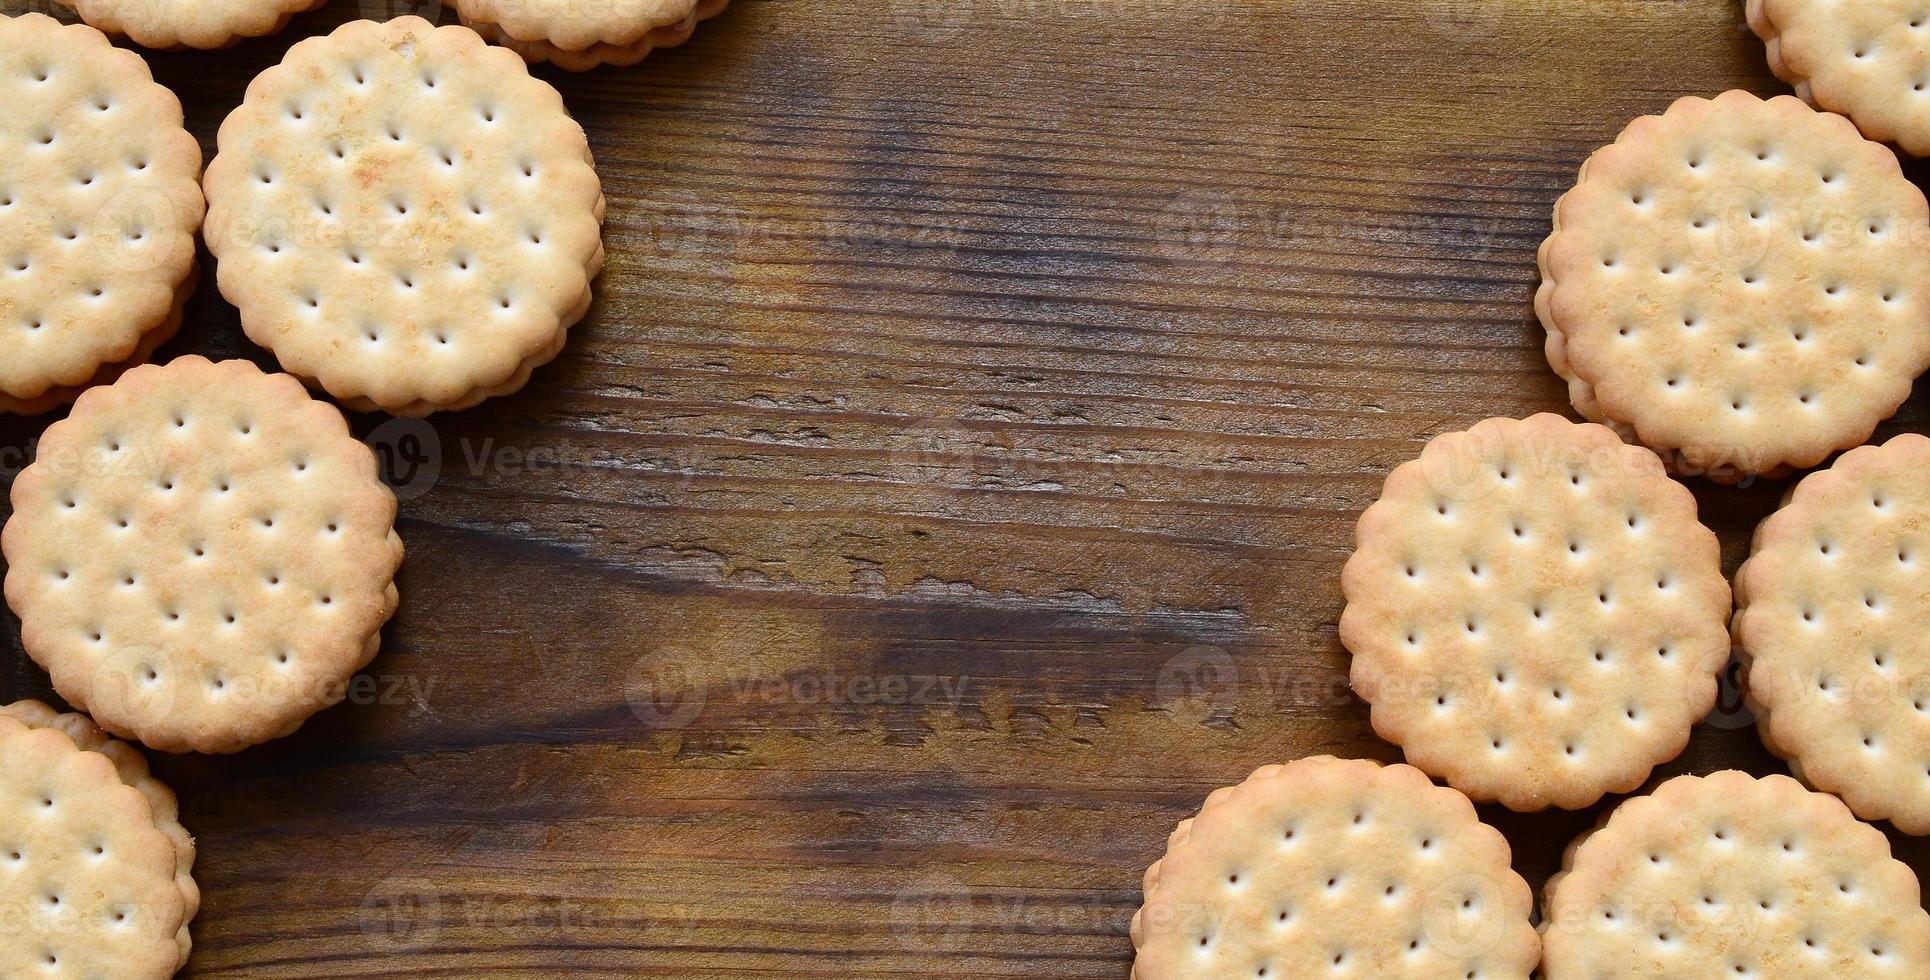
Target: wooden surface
(948, 490)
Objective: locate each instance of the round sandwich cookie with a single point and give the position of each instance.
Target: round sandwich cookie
(1335, 868)
(201, 555)
(1867, 59)
(576, 37)
(1741, 285)
(1833, 605)
(99, 206)
(171, 24)
(1732, 876)
(405, 217)
(1534, 612)
(98, 879)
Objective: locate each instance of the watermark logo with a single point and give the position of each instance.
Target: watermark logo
(133, 221)
(401, 915)
(678, 223)
(978, 453)
(665, 695)
(386, 10)
(1200, 226)
(945, 18)
(670, 690)
(931, 17)
(133, 681)
(683, 225)
(1458, 916)
(1473, 22)
(1731, 230)
(933, 914)
(938, 914)
(409, 452)
(1470, 465)
(1201, 675)
(1731, 711)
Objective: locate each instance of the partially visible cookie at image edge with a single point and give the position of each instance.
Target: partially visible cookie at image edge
(171, 24)
(99, 212)
(1867, 59)
(1334, 866)
(1728, 875)
(99, 879)
(201, 555)
(577, 38)
(1832, 607)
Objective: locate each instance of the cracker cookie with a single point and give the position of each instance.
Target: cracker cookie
(99, 203)
(1732, 876)
(1535, 613)
(1335, 868)
(405, 217)
(1867, 59)
(201, 555)
(97, 878)
(578, 37)
(1833, 605)
(170, 24)
(1740, 284)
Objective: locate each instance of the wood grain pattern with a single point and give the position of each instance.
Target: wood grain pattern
(948, 490)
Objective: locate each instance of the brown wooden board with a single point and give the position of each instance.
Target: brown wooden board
(947, 491)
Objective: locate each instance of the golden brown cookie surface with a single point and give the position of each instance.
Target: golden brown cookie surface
(201, 555)
(405, 216)
(1833, 605)
(1535, 614)
(1334, 867)
(1867, 59)
(1741, 284)
(1732, 876)
(99, 205)
(95, 869)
